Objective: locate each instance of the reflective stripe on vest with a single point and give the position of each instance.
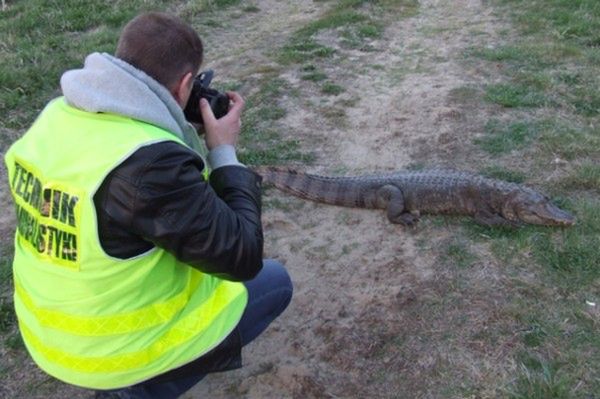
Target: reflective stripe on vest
(184, 330)
(138, 319)
(87, 318)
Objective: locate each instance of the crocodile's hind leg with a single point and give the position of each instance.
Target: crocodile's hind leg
(406, 218)
(391, 199)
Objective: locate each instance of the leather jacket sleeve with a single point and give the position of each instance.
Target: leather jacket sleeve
(158, 197)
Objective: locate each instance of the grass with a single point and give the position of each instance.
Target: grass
(548, 101)
(546, 107)
(552, 65)
(513, 95)
(574, 253)
(331, 89)
(502, 138)
(558, 351)
(36, 53)
(7, 314)
(585, 177)
(314, 76)
(457, 253)
(43, 38)
(569, 257)
(571, 141)
(300, 50)
(541, 380)
(558, 355)
(358, 20)
(353, 23)
(11, 343)
(499, 172)
(40, 40)
(251, 8)
(259, 143)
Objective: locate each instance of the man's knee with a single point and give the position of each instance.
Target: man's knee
(278, 276)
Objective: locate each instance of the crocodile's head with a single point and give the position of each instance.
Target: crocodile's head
(531, 207)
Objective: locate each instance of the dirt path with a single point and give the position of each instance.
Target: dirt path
(375, 313)
(242, 45)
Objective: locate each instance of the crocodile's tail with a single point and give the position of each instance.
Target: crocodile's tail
(328, 190)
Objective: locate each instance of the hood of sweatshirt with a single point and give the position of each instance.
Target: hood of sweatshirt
(109, 84)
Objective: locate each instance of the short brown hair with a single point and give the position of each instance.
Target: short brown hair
(161, 45)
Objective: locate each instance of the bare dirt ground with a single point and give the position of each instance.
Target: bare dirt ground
(376, 313)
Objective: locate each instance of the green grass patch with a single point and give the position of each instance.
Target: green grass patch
(586, 98)
(220, 3)
(510, 245)
(267, 148)
(553, 64)
(259, 143)
(513, 95)
(338, 17)
(555, 61)
(331, 89)
(534, 336)
(270, 113)
(570, 141)
(41, 39)
(576, 22)
(457, 253)
(584, 177)
(251, 8)
(355, 21)
(190, 9)
(501, 173)
(541, 379)
(314, 76)
(502, 138)
(5, 272)
(14, 341)
(8, 318)
(534, 56)
(558, 333)
(572, 254)
(359, 35)
(300, 50)
(568, 256)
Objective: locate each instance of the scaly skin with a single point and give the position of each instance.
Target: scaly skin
(405, 195)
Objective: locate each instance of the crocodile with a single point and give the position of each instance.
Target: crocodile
(405, 195)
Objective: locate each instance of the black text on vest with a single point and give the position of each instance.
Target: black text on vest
(45, 203)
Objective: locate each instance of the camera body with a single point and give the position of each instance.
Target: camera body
(219, 102)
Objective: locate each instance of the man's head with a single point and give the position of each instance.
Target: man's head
(165, 48)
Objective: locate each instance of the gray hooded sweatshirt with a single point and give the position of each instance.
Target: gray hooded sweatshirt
(109, 84)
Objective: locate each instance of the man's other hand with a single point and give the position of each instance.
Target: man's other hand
(225, 130)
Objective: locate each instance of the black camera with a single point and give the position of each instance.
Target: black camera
(219, 102)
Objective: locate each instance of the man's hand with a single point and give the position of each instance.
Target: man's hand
(225, 130)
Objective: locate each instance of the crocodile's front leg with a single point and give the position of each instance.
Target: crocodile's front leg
(390, 198)
(490, 219)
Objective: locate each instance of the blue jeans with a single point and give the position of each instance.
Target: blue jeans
(269, 293)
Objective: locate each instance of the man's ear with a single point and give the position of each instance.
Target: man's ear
(181, 91)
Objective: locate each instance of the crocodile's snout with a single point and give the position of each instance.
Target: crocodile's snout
(546, 213)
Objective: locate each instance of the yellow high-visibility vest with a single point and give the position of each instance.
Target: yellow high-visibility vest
(87, 318)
